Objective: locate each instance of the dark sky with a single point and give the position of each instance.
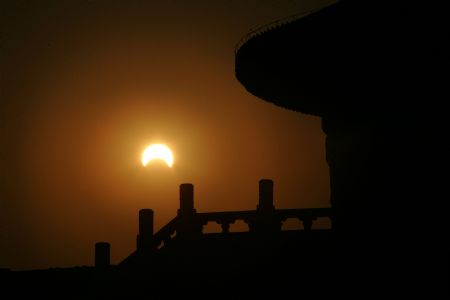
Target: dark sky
(86, 85)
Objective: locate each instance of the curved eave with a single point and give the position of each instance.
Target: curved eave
(286, 65)
(343, 57)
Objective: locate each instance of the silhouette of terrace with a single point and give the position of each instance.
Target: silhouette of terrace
(182, 243)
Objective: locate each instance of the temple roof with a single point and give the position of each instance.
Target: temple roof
(330, 59)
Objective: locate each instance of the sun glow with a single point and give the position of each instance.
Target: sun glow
(157, 151)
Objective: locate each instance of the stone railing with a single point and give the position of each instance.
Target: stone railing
(188, 223)
(305, 215)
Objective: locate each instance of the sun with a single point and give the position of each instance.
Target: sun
(157, 151)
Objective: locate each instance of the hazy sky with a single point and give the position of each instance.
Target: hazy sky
(86, 85)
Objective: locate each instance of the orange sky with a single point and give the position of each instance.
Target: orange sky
(86, 85)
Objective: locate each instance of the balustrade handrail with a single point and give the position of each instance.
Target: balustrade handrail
(231, 216)
(246, 214)
(166, 231)
(214, 216)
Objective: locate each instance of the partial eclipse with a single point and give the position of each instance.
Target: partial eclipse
(157, 151)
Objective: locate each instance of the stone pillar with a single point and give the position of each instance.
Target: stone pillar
(188, 226)
(265, 223)
(145, 236)
(102, 254)
(265, 196)
(186, 199)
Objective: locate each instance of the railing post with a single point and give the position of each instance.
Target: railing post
(186, 199)
(225, 227)
(307, 224)
(188, 225)
(265, 196)
(145, 237)
(265, 222)
(102, 254)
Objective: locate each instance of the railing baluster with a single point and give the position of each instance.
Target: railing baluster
(225, 227)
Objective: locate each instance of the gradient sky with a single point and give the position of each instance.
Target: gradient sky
(86, 85)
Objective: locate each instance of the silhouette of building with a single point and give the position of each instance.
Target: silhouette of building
(372, 71)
